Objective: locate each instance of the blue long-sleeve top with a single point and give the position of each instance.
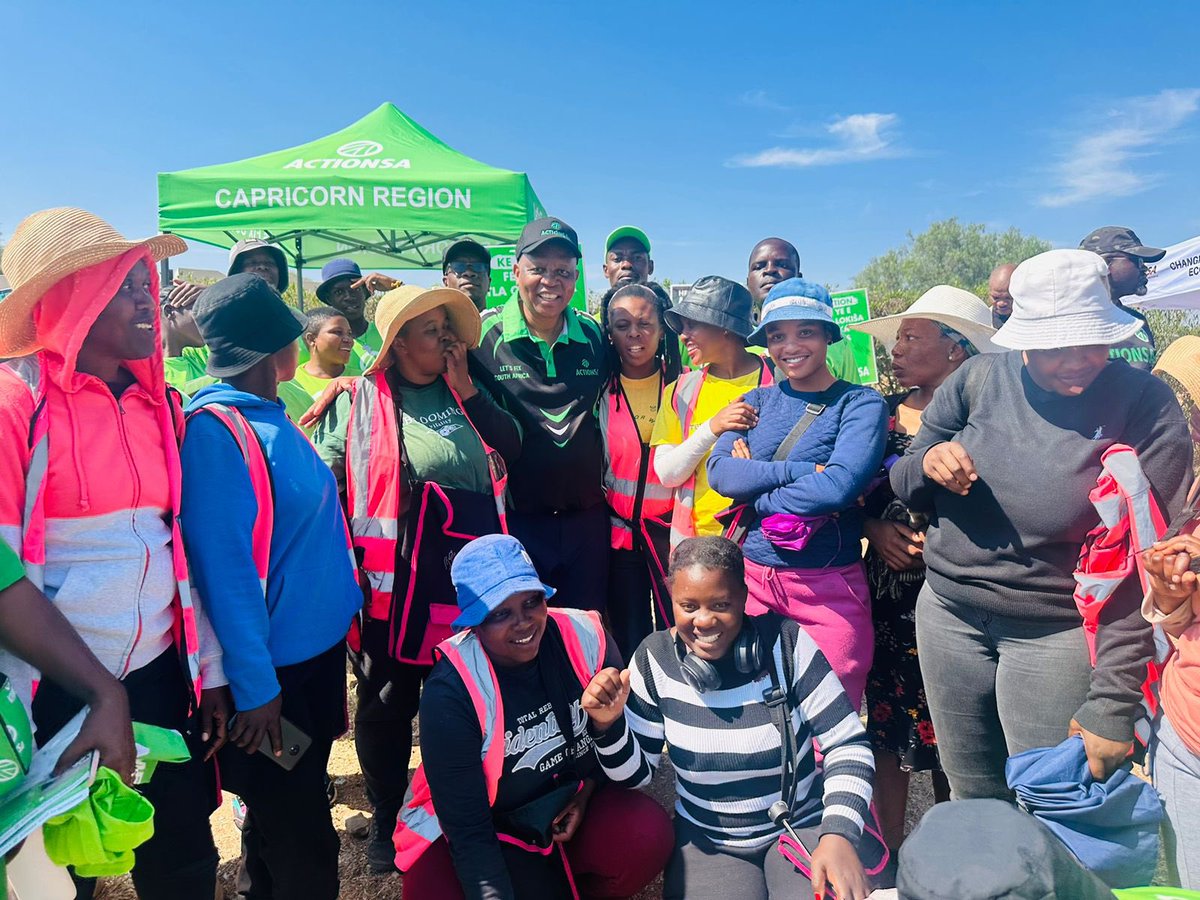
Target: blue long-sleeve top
(847, 438)
(312, 593)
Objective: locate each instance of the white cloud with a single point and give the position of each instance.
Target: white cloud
(857, 138)
(1101, 163)
(760, 99)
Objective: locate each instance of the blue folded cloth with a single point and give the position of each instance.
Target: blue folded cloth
(1111, 826)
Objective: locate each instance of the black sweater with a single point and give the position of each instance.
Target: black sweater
(1011, 545)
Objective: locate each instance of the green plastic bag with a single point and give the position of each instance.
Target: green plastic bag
(98, 837)
(16, 738)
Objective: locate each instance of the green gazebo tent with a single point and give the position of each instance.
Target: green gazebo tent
(383, 190)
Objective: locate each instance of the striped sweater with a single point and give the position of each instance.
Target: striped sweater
(725, 745)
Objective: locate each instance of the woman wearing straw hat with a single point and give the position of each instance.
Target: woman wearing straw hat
(928, 342)
(89, 464)
(1006, 457)
(416, 444)
(817, 443)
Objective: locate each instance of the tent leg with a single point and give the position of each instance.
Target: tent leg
(299, 274)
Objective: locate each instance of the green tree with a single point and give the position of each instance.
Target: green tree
(948, 252)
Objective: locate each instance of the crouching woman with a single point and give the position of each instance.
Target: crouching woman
(699, 688)
(510, 801)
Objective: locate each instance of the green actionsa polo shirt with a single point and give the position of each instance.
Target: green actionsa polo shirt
(551, 390)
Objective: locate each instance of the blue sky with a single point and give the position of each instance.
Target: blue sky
(711, 125)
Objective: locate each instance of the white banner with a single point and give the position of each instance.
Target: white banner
(1174, 281)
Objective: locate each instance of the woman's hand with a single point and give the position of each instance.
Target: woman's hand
(251, 726)
(737, 416)
(605, 696)
(567, 822)
(897, 544)
(325, 399)
(1168, 566)
(949, 465)
(741, 450)
(1104, 756)
(108, 731)
(835, 864)
(457, 373)
(216, 707)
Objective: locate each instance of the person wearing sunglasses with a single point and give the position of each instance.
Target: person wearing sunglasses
(1128, 275)
(467, 266)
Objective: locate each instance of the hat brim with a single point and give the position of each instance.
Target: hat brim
(234, 362)
(463, 316)
(1149, 254)
(550, 238)
(281, 263)
(461, 246)
(1082, 329)
(1181, 360)
(695, 312)
(324, 285)
(479, 610)
(758, 337)
(627, 231)
(18, 336)
(884, 329)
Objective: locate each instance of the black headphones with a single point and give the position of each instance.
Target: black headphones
(748, 659)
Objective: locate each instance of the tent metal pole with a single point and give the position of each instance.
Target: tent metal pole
(299, 273)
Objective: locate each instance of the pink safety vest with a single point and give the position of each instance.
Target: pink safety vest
(583, 634)
(375, 484)
(683, 402)
(1130, 521)
(622, 469)
(252, 451)
(33, 530)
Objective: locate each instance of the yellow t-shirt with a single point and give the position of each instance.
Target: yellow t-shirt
(715, 393)
(644, 397)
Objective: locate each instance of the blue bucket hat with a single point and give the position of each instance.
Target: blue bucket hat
(335, 269)
(795, 300)
(487, 572)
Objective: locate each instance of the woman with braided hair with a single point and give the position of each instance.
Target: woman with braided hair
(645, 358)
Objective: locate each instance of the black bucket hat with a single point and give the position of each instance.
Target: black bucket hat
(243, 321)
(717, 301)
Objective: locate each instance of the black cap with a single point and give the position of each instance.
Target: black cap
(464, 247)
(541, 231)
(1115, 239)
(243, 321)
(715, 301)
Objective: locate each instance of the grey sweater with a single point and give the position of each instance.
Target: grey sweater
(1010, 546)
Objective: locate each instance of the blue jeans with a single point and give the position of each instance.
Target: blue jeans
(997, 686)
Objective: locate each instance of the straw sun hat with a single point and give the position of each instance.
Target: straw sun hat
(1181, 361)
(405, 303)
(47, 247)
(951, 306)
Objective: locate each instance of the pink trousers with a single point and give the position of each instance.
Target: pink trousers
(832, 605)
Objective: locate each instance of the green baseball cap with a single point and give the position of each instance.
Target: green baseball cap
(627, 231)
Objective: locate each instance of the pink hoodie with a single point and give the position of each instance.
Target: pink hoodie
(104, 520)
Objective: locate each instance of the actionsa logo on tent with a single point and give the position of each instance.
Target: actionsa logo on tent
(358, 149)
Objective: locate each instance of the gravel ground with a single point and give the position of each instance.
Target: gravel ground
(356, 883)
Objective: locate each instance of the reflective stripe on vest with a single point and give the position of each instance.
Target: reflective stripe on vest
(622, 462)
(683, 402)
(1131, 520)
(374, 472)
(583, 635)
(33, 525)
(260, 482)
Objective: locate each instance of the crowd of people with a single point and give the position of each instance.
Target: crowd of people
(570, 545)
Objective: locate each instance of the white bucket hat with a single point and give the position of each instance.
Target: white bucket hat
(950, 306)
(1061, 299)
